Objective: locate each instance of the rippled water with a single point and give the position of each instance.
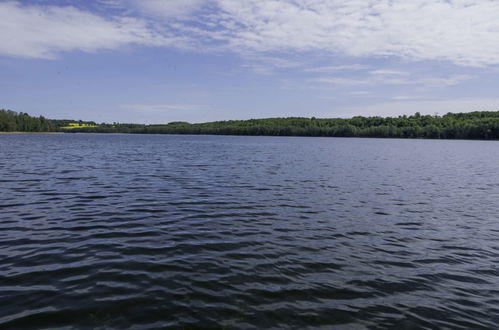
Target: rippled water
(138, 231)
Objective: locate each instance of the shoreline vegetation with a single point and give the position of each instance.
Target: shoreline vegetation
(18, 132)
(479, 125)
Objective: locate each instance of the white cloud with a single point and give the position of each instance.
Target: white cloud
(458, 31)
(43, 31)
(463, 32)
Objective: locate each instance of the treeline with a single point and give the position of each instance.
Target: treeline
(472, 125)
(11, 121)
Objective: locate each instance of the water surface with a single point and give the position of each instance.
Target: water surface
(158, 231)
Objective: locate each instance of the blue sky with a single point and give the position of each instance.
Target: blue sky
(156, 61)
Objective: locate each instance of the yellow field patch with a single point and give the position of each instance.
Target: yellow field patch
(77, 125)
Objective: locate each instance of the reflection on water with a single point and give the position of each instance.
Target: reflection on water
(137, 231)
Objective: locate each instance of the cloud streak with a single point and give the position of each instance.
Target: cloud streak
(352, 67)
(398, 78)
(44, 31)
(165, 107)
(168, 8)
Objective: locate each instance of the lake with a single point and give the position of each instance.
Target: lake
(166, 231)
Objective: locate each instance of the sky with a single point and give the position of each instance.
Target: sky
(157, 61)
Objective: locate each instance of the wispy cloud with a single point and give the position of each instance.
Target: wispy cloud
(444, 81)
(44, 31)
(407, 97)
(166, 107)
(325, 69)
(341, 81)
(400, 78)
(360, 93)
(385, 72)
(462, 32)
(169, 8)
(459, 32)
(111, 3)
(267, 65)
(260, 69)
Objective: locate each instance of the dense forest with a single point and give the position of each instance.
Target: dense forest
(472, 125)
(11, 121)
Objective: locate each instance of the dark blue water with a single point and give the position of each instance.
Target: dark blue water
(143, 232)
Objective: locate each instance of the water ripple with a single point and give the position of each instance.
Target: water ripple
(147, 232)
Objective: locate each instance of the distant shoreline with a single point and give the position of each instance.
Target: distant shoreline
(9, 133)
(477, 125)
